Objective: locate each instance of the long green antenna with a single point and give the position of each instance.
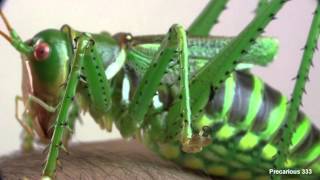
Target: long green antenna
(8, 26)
(13, 38)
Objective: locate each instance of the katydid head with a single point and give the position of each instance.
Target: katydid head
(45, 59)
(45, 55)
(46, 63)
(45, 71)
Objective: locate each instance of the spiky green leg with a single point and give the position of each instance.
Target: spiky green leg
(174, 46)
(73, 115)
(60, 124)
(212, 75)
(185, 111)
(208, 17)
(299, 89)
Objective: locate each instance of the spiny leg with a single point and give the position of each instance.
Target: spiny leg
(208, 17)
(212, 75)
(94, 90)
(73, 115)
(83, 45)
(174, 45)
(185, 110)
(299, 89)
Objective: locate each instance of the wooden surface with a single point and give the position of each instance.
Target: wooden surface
(101, 160)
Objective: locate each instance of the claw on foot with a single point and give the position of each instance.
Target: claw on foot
(195, 144)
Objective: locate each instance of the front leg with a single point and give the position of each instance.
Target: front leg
(83, 46)
(26, 120)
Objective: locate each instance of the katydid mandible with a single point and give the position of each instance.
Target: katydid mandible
(192, 98)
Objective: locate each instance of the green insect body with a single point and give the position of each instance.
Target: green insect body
(191, 97)
(236, 151)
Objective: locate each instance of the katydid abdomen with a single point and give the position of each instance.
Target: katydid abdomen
(244, 118)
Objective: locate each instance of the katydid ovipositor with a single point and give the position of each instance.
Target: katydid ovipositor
(136, 66)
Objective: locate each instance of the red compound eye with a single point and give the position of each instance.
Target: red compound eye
(41, 51)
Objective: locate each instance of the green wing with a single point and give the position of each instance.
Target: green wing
(204, 49)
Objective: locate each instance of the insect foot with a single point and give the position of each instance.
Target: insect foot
(195, 144)
(128, 125)
(46, 178)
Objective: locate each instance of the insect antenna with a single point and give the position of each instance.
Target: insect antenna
(8, 26)
(13, 37)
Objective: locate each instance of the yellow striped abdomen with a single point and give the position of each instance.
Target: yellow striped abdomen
(245, 118)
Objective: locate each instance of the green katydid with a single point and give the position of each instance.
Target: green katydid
(207, 111)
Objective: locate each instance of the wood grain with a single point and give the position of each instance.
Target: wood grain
(100, 160)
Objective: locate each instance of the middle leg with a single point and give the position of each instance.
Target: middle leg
(173, 48)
